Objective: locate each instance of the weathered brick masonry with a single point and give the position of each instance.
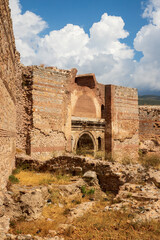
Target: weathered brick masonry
(149, 123)
(122, 122)
(49, 110)
(45, 110)
(62, 107)
(9, 60)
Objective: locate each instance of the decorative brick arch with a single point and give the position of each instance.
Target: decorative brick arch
(90, 135)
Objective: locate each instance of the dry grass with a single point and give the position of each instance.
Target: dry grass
(52, 216)
(95, 224)
(152, 160)
(113, 225)
(30, 178)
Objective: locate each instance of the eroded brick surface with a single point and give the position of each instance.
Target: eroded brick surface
(149, 123)
(122, 123)
(9, 60)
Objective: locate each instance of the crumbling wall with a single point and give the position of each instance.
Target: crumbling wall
(24, 110)
(51, 111)
(122, 122)
(9, 61)
(149, 125)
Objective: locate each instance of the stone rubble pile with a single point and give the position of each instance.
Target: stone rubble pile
(136, 190)
(143, 201)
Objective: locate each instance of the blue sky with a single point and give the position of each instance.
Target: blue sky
(118, 40)
(58, 13)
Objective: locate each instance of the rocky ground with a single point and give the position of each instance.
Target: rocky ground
(135, 190)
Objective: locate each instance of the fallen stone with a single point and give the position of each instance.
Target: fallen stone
(79, 211)
(90, 178)
(154, 176)
(26, 202)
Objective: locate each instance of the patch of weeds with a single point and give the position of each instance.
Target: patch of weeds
(13, 179)
(63, 177)
(109, 158)
(150, 161)
(19, 231)
(25, 166)
(85, 151)
(16, 171)
(90, 191)
(83, 189)
(12, 224)
(55, 196)
(100, 155)
(126, 161)
(86, 191)
(46, 181)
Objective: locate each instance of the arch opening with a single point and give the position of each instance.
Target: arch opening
(85, 145)
(99, 144)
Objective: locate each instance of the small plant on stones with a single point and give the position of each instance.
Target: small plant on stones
(13, 179)
(86, 191)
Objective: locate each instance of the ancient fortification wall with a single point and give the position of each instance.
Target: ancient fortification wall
(8, 69)
(45, 111)
(122, 122)
(50, 102)
(9, 59)
(149, 123)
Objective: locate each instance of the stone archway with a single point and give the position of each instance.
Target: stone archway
(85, 144)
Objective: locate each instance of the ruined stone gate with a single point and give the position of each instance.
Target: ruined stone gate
(46, 111)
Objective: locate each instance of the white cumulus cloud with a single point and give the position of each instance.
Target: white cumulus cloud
(147, 73)
(102, 51)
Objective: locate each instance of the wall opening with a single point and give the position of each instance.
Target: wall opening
(102, 111)
(99, 144)
(85, 145)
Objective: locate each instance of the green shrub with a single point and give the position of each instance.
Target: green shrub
(87, 191)
(91, 191)
(13, 179)
(83, 189)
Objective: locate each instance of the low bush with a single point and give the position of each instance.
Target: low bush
(13, 179)
(86, 191)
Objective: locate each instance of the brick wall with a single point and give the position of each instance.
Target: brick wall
(9, 60)
(51, 111)
(149, 123)
(8, 78)
(122, 122)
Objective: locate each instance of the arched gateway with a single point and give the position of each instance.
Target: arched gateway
(85, 144)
